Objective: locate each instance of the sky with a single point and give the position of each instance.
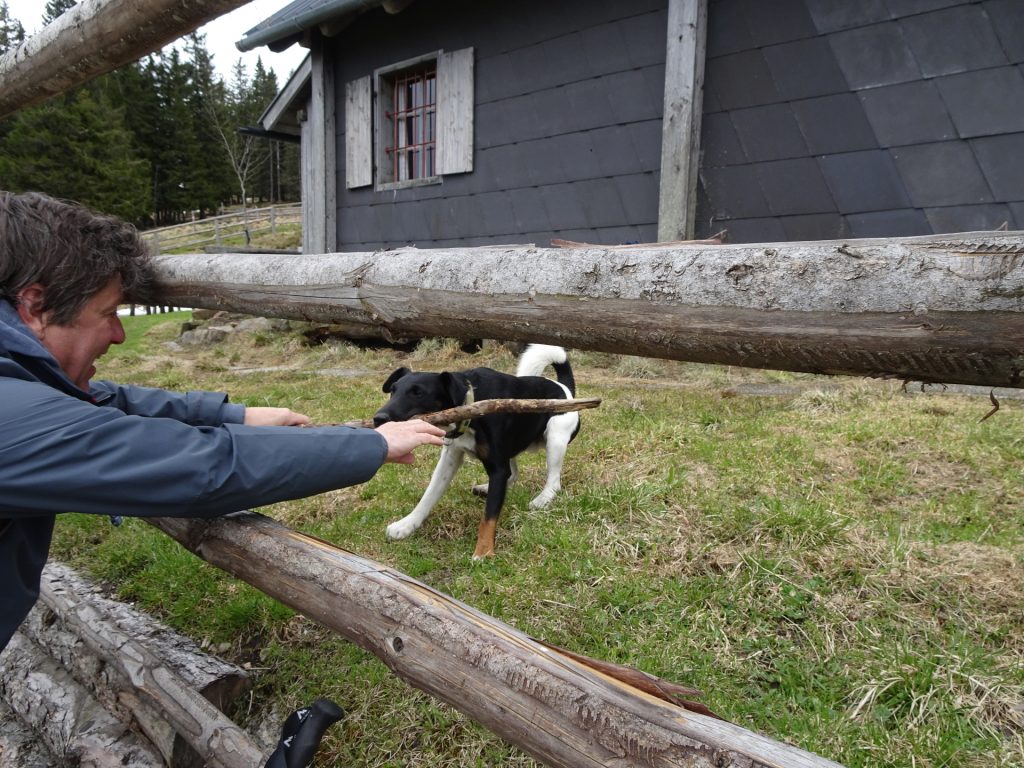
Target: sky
(221, 35)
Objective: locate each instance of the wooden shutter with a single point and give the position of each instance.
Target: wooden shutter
(455, 112)
(359, 133)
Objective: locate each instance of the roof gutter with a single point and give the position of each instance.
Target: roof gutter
(298, 24)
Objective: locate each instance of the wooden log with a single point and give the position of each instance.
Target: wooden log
(19, 744)
(54, 624)
(74, 726)
(149, 684)
(940, 309)
(496, 405)
(562, 712)
(95, 37)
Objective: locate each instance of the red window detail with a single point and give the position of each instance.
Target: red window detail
(413, 140)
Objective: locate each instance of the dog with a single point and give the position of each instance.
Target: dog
(495, 439)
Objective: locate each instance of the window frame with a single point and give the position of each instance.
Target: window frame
(383, 79)
(454, 126)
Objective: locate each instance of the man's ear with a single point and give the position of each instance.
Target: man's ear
(30, 308)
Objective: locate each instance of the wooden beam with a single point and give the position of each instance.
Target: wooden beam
(95, 37)
(942, 309)
(322, 210)
(559, 710)
(681, 118)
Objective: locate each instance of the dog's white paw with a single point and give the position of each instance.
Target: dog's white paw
(543, 498)
(480, 490)
(401, 529)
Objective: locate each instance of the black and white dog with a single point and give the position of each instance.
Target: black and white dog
(495, 439)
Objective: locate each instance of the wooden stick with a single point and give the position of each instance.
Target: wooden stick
(495, 405)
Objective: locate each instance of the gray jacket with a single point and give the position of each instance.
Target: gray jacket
(135, 451)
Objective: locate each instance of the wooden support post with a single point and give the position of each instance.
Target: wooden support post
(320, 211)
(681, 118)
(944, 309)
(561, 711)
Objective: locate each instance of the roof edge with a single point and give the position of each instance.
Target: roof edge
(256, 37)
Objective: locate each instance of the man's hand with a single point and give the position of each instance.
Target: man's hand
(404, 436)
(274, 417)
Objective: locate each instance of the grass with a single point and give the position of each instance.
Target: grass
(840, 566)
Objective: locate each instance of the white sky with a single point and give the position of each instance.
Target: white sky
(221, 35)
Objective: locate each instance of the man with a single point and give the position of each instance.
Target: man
(68, 444)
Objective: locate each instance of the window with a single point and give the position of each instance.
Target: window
(410, 113)
(410, 123)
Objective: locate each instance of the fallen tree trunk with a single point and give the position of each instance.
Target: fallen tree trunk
(945, 309)
(97, 640)
(75, 727)
(559, 710)
(95, 37)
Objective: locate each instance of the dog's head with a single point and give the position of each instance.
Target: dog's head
(416, 393)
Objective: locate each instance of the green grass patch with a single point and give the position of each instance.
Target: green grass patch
(840, 566)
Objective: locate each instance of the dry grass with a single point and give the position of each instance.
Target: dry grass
(835, 562)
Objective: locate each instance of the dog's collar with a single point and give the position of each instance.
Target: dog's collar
(462, 426)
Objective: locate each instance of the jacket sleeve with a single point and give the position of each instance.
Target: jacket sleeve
(60, 454)
(196, 408)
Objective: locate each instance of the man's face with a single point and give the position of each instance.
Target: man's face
(78, 345)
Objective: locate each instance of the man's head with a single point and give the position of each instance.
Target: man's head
(65, 269)
(68, 250)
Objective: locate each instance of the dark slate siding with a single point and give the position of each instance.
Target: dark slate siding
(567, 122)
(822, 119)
(831, 119)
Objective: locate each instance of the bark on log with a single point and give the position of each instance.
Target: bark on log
(55, 624)
(150, 685)
(95, 37)
(75, 727)
(945, 309)
(562, 712)
(19, 745)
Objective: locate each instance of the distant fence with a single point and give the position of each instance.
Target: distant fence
(216, 229)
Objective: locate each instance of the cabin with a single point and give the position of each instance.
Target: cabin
(441, 123)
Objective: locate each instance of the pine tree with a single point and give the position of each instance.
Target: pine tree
(71, 148)
(11, 30)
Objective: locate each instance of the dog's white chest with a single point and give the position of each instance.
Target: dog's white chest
(465, 442)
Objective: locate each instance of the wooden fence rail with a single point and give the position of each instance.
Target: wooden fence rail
(214, 230)
(945, 309)
(561, 711)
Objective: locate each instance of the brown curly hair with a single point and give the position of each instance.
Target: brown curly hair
(71, 251)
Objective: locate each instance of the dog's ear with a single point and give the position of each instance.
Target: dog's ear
(455, 386)
(395, 376)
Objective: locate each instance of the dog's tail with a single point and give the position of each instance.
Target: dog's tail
(537, 357)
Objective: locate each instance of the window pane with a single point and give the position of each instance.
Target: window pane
(412, 131)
